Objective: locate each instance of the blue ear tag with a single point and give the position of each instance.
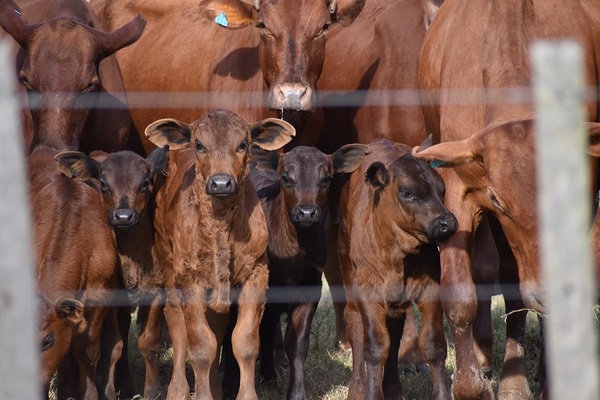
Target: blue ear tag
(436, 163)
(221, 19)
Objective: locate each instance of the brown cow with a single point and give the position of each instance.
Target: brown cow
(67, 110)
(125, 181)
(391, 214)
(472, 53)
(191, 52)
(76, 262)
(211, 243)
(294, 191)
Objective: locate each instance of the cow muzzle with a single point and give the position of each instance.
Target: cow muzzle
(305, 216)
(124, 218)
(292, 96)
(442, 228)
(221, 185)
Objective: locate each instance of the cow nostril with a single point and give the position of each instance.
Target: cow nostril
(221, 184)
(123, 217)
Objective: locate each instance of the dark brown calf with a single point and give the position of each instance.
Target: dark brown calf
(295, 197)
(64, 61)
(211, 243)
(76, 261)
(391, 214)
(126, 182)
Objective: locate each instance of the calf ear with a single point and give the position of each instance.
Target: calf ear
(427, 143)
(272, 133)
(450, 154)
(347, 158)
(158, 159)
(108, 43)
(231, 14)
(77, 165)
(70, 310)
(169, 132)
(99, 155)
(346, 11)
(377, 175)
(13, 23)
(264, 159)
(594, 134)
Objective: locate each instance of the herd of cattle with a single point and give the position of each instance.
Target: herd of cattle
(202, 210)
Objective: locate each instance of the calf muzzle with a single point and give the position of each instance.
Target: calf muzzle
(221, 185)
(123, 218)
(305, 215)
(443, 227)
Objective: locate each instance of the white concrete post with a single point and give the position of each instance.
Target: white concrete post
(19, 352)
(564, 214)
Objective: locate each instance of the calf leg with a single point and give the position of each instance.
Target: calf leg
(244, 339)
(333, 274)
(392, 389)
(356, 386)
(112, 350)
(268, 326)
(149, 344)
(297, 336)
(178, 386)
(409, 352)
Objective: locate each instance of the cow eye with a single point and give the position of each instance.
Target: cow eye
(406, 195)
(199, 147)
(104, 187)
(286, 181)
(326, 182)
(145, 186)
(242, 147)
(25, 82)
(92, 86)
(48, 341)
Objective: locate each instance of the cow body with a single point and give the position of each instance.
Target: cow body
(76, 263)
(473, 54)
(211, 242)
(391, 210)
(69, 111)
(268, 45)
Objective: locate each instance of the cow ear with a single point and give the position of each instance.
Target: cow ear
(13, 23)
(272, 133)
(169, 132)
(377, 175)
(594, 134)
(450, 154)
(344, 12)
(347, 158)
(77, 165)
(264, 159)
(70, 310)
(108, 43)
(158, 159)
(427, 143)
(430, 9)
(230, 14)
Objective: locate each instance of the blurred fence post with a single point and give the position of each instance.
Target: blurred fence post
(564, 214)
(19, 361)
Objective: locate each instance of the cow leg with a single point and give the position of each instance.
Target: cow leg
(86, 350)
(432, 342)
(149, 344)
(178, 386)
(409, 352)
(356, 386)
(124, 384)
(297, 336)
(112, 350)
(244, 339)
(68, 377)
(202, 343)
(268, 327)
(377, 343)
(392, 388)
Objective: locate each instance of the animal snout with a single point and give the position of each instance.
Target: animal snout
(292, 96)
(443, 227)
(124, 218)
(305, 215)
(221, 185)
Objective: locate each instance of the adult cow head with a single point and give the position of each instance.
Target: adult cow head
(293, 35)
(125, 180)
(58, 65)
(306, 174)
(221, 141)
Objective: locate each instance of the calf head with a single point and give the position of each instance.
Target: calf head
(58, 323)
(306, 175)
(58, 66)
(410, 194)
(293, 34)
(125, 180)
(221, 141)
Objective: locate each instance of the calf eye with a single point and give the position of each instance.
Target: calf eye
(286, 181)
(104, 187)
(48, 341)
(326, 182)
(25, 82)
(242, 147)
(199, 147)
(406, 195)
(93, 85)
(145, 186)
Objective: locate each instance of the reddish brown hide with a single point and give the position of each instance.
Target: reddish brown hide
(211, 243)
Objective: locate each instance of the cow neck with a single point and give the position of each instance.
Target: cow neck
(135, 251)
(392, 238)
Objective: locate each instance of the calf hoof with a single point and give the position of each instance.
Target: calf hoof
(474, 387)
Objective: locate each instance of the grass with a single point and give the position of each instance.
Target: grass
(328, 369)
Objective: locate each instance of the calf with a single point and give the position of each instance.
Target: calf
(295, 193)
(76, 261)
(211, 243)
(391, 214)
(126, 182)
(53, 39)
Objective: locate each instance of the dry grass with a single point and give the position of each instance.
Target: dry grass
(328, 369)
